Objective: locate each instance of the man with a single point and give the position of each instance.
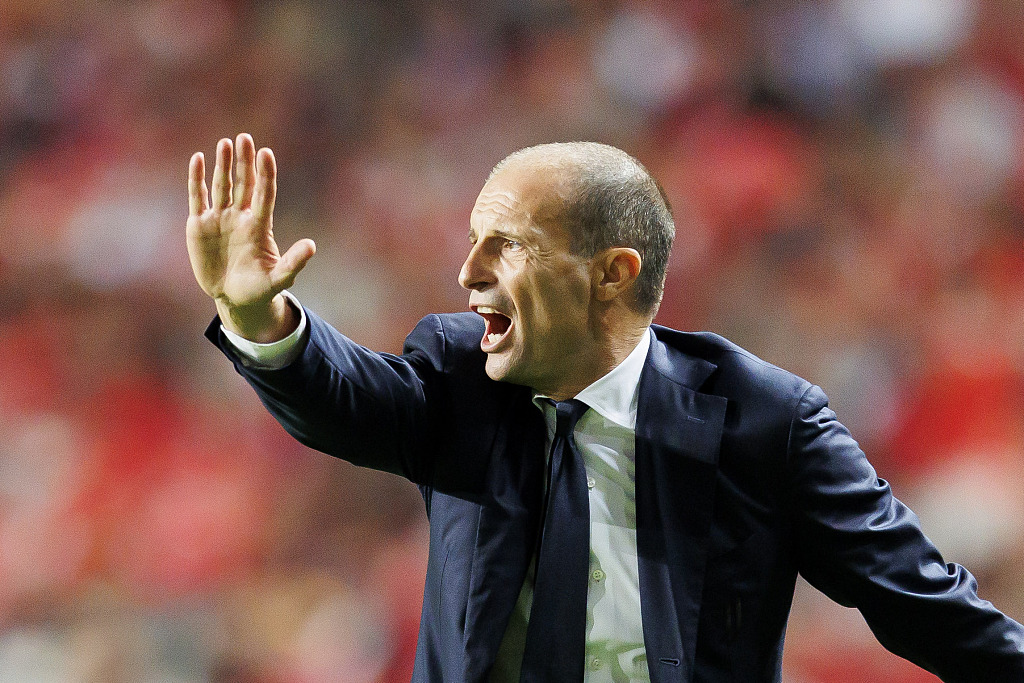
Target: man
(609, 500)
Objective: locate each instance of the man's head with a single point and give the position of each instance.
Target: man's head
(570, 245)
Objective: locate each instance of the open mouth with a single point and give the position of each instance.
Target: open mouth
(496, 329)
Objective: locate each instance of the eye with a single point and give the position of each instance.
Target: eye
(512, 244)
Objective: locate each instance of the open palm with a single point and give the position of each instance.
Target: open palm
(230, 233)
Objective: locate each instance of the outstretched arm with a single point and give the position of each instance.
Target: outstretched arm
(231, 244)
(864, 548)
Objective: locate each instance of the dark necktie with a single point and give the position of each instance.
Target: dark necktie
(555, 636)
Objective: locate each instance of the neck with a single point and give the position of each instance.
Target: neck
(608, 353)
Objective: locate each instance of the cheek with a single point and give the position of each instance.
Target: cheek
(551, 298)
(570, 293)
(558, 304)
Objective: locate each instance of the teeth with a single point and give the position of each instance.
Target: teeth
(485, 309)
(493, 338)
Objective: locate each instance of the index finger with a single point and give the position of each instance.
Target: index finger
(198, 196)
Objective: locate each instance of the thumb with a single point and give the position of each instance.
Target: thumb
(291, 263)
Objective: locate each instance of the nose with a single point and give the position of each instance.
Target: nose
(476, 272)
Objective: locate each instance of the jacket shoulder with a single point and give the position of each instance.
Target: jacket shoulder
(447, 340)
(738, 371)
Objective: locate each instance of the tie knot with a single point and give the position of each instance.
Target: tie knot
(567, 414)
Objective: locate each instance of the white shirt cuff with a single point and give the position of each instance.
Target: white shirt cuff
(275, 355)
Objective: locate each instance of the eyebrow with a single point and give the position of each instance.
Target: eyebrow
(502, 234)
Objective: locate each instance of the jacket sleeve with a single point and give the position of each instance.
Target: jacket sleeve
(371, 409)
(864, 548)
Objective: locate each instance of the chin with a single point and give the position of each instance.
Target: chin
(495, 369)
(501, 368)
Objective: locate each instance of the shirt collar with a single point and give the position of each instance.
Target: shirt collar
(614, 396)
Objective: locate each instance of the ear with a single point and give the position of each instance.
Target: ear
(615, 271)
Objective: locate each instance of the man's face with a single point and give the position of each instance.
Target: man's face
(532, 292)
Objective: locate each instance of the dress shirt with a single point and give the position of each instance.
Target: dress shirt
(605, 437)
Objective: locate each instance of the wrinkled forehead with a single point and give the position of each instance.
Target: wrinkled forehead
(523, 193)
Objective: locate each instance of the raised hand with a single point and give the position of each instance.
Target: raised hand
(231, 245)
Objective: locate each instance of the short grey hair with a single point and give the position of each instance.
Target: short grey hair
(612, 201)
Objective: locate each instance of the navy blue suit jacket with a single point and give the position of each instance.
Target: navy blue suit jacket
(744, 478)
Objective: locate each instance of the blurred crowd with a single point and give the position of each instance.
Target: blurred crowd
(848, 183)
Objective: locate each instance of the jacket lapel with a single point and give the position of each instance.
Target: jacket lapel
(678, 435)
(508, 527)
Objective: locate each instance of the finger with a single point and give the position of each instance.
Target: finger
(245, 170)
(266, 186)
(222, 175)
(291, 263)
(198, 197)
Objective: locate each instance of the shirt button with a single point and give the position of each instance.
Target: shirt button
(598, 575)
(590, 482)
(595, 663)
